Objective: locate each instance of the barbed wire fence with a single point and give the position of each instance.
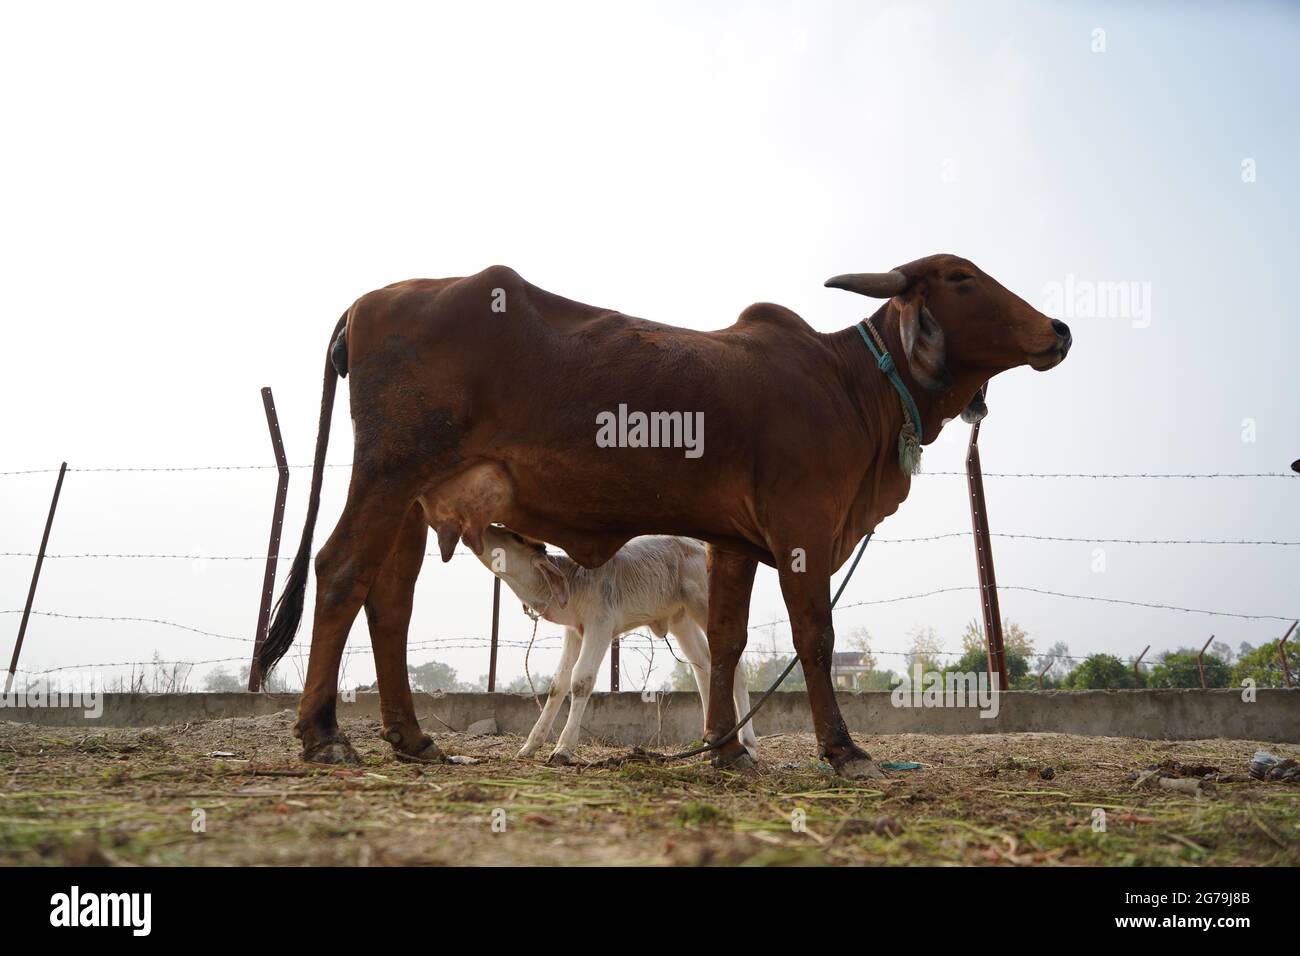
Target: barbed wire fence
(637, 640)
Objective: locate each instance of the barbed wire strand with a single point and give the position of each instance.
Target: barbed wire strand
(921, 539)
(1045, 591)
(767, 624)
(173, 469)
(145, 556)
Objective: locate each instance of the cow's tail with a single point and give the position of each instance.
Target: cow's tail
(288, 610)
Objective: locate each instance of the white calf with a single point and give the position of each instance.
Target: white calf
(656, 581)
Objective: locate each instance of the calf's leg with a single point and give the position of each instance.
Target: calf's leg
(388, 612)
(695, 647)
(596, 638)
(731, 579)
(740, 694)
(559, 687)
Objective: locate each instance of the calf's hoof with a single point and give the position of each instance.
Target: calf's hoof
(560, 758)
(332, 750)
(526, 752)
(858, 767)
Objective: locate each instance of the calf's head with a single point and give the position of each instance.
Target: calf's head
(953, 318)
(524, 565)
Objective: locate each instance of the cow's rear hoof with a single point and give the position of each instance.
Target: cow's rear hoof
(859, 768)
(561, 758)
(336, 750)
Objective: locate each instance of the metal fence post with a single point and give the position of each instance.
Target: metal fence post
(496, 620)
(1137, 674)
(36, 576)
(997, 655)
(1281, 653)
(613, 667)
(1200, 663)
(273, 547)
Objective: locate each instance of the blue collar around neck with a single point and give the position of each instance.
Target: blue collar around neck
(909, 439)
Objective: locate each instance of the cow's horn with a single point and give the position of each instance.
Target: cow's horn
(878, 285)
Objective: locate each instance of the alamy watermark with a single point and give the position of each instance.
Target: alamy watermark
(1075, 298)
(624, 429)
(75, 908)
(947, 689)
(41, 695)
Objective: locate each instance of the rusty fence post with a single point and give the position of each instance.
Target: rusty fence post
(613, 666)
(36, 576)
(979, 518)
(1200, 662)
(496, 621)
(1137, 674)
(1046, 668)
(273, 546)
(1281, 653)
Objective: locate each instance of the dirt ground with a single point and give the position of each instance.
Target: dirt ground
(138, 796)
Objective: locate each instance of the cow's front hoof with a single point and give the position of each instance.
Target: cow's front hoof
(858, 767)
(526, 751)
(334, 750)
(425, 752)
(560, 758)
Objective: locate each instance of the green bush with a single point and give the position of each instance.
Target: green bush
(877, 680)
(1178, 669)
(1101, 672)
(1263, 667)
(759, 676)
(976, 660)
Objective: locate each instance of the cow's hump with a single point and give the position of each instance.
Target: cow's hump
(769, 314)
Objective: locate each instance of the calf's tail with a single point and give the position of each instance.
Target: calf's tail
(288, 610)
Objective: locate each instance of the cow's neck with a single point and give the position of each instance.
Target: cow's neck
(936, 408)
(883, 485)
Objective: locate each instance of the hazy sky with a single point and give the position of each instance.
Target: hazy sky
(192, 195)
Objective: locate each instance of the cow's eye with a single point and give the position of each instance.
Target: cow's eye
(959, 277)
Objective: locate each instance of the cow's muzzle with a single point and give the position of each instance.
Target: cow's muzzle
(1050, 358)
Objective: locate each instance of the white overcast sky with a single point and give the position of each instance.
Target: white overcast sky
(193, 193)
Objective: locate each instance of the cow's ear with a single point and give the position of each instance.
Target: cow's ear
(555, 580)
(922, 341)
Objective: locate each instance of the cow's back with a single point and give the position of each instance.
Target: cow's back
(490, 368)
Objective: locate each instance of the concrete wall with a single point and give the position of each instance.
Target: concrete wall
(675, 718)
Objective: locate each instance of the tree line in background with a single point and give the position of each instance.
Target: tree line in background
(428, 677)
(1176, 668)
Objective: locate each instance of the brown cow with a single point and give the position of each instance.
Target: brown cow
(479, 400)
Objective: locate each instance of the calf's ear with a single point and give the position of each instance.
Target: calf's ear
(922, 341)
(556, 581)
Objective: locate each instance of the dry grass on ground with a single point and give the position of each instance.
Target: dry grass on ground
(129, 796)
